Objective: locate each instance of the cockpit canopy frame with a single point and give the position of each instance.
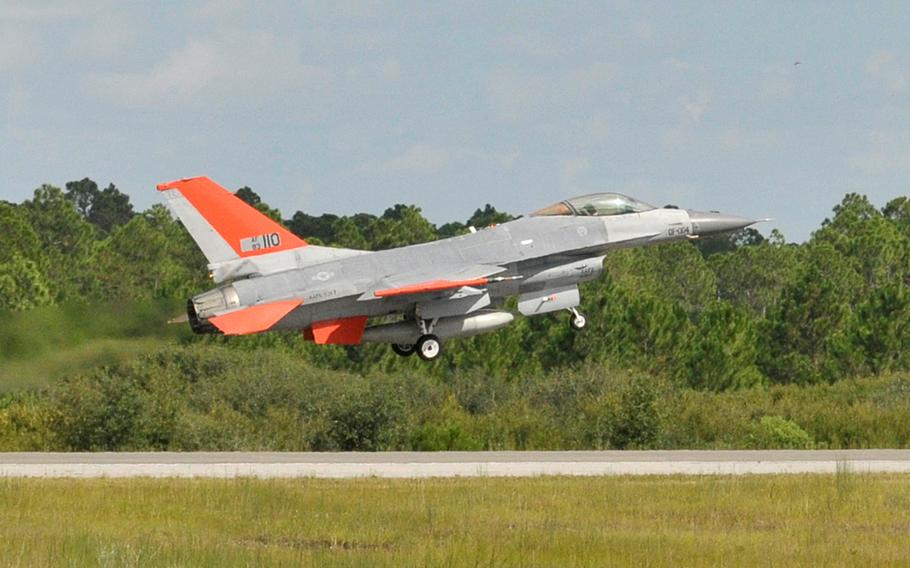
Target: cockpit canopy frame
(595, 205)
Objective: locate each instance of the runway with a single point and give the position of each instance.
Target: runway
(448, 464)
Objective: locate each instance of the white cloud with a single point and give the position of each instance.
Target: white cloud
(212, 70)
(573, 167)
(890, 70)
(691, 108)
(735, 138)
(389, 69)
(695, 105)
(419, 159)
(643, 30)
(106, 35)
(886, 153)
(430, 159)
(30, 11)
(19, 48)
(776, 84)
(535, 45)
(507, 160)
(15, 100)
(515, 96)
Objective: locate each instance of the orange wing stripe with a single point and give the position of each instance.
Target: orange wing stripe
(234, 219)
(344, 331)
(255, 319)
(430, 286)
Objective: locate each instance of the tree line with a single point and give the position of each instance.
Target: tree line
(716, 314)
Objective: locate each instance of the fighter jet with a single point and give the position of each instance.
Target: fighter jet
(417, 296)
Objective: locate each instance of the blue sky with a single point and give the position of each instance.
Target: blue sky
(344, 107)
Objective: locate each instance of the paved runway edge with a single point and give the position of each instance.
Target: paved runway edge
(448, 464)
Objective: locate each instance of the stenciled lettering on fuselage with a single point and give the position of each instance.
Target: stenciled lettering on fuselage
(259, 242)
(677, 230)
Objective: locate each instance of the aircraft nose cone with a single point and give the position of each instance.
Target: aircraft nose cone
(712, 223)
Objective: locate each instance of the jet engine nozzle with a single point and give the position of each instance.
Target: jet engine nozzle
(714, 223)
(203, 306)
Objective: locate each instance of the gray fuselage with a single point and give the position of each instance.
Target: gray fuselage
(530, 249)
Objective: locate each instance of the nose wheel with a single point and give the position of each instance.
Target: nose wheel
(578, 321)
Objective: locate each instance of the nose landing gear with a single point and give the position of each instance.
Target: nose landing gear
(578, 320)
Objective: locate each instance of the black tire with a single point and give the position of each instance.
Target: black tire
(428, 347)
(403, 349)
(578, 322)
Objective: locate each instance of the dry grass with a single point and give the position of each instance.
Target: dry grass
(657, 521)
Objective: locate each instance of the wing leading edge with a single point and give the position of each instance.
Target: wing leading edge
(437, 280)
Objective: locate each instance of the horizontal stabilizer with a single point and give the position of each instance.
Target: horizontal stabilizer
(254, 319)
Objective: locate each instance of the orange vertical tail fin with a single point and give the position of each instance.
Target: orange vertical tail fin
(223, 225)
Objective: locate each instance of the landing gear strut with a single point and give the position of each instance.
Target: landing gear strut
(578, 319)
(428, 346)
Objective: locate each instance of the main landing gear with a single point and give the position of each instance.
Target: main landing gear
(403, 349)
(578, 321)
(428, 346)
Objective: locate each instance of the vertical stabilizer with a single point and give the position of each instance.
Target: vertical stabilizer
(223, 225)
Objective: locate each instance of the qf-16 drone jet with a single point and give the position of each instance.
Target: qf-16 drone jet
(270, 279)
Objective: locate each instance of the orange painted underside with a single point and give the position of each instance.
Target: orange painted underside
(344, 331)
(430, 286)
(232, 217)
(254, 319)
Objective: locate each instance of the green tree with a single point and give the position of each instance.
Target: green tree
(753, 276)
(488, 216)
(22, 285)
(721, 353)
(19, 238)
(806, 336)
(897, 211)
(881, 329)
(347, 234)
(110, 209)
(710, 246)
(676, 272)
(252, 198)
(149, 257)
(400, 226)
(480, 219)
(105, 208)
(82, 193)
(310, 227)
(452, 229)
(67, 240)
(860, 232)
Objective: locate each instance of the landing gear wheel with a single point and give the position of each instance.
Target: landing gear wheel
(403, 349)
(428, 347)
(578, 321)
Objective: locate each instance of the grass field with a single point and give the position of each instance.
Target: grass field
(843, 519)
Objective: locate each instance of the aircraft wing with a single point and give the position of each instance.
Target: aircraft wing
(437, 279)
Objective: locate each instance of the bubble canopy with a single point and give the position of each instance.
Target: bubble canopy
(595, 205)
